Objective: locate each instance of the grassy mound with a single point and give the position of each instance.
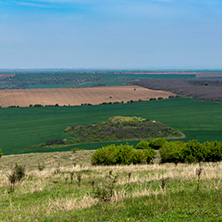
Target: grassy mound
(121, 128)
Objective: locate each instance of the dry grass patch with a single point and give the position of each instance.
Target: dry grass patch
(77, 96)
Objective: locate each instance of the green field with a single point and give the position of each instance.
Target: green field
(23, 127)
(78, 79)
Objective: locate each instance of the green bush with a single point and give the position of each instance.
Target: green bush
(192, 151)
(122, 154)
(1, 153)
(172, 152)
(157, 143)
(148, 152)
(143, 145)
(19, 171)
(213, 151)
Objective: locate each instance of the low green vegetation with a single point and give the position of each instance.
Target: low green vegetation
(60, 79)
(192, 151)
(157, 143)
(23, 127)
(122, 155)
(121, 128)
(170, 152)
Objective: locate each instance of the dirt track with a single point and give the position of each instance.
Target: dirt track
(77, 96)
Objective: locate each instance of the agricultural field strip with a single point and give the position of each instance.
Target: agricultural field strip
(186, 87)
(77, 96)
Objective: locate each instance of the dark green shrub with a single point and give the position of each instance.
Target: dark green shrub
(1, 153)
(213, 151)
(54, 142)
(157, 143)
(38, 105)
(19, 172)
(192, 151)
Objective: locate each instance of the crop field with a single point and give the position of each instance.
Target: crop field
(67, 188)
(77, 96)
(197, 89)
(34, 80)
(23, 127)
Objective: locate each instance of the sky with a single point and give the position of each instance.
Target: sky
(111, 34)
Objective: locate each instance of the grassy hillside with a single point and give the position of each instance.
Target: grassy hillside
(23, 127)
(139, 193)
(121, 128)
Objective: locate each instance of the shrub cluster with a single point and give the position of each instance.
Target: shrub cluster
(122, 154)
(54, 142)
(152, 144)
(192, 151)
(121, 128)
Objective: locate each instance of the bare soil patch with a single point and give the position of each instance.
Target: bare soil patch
(209, 75)
(6, 75)
(197, 89)
(160, 73)
(77, 96)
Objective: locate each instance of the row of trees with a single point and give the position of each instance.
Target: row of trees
(192, 151)
(170, 152)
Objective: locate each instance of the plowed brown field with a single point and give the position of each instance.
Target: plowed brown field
(77, 96)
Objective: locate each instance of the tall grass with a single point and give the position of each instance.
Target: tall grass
(135, 192)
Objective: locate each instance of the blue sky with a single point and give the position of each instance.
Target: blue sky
(143, 34)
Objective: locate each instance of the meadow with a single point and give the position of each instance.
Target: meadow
(22, 127)
(68, 188)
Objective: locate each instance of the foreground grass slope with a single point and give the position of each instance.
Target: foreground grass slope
(49, 195)
(23, 127)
